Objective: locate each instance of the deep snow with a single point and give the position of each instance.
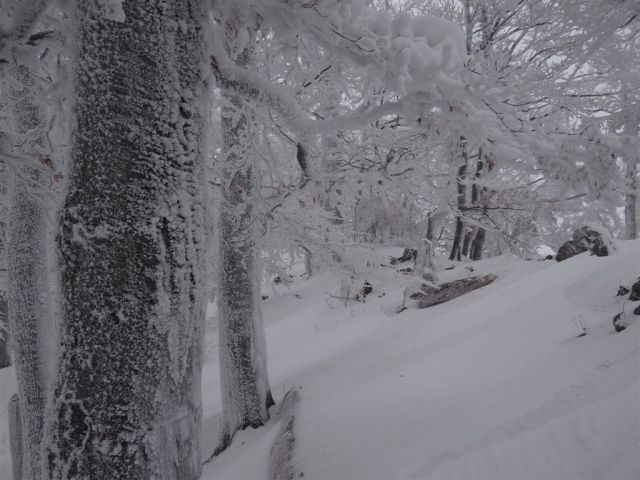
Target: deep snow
(495, 384)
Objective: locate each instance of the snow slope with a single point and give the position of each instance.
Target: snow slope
(495, 384)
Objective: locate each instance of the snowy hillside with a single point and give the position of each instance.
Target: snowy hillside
(495, 384)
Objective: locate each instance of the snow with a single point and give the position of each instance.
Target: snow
(494, 384)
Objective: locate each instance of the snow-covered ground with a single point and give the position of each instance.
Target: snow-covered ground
(494, 384)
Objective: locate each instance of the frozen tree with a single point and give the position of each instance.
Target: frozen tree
(26, 150)
(5, 353)
(15, 437)
(28, 314)
(126, 397)
(246, 395)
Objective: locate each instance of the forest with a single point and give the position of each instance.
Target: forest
(180, 180)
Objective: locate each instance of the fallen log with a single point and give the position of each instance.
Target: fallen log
(427, 294)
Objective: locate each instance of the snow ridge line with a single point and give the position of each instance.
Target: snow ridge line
(281, 454)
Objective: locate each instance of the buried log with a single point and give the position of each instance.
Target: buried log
(427, 294)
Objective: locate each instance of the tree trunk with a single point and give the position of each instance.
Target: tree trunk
(28, 300)
(424, 267)
(630, 202)
(478, 244)
(126, 402)
(308, 264)
(466, 243)
(5, 339)
(16, 444)
(246, 395)
(458, 236)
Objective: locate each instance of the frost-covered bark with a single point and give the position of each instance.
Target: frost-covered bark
(246, 395)
(126, 401)
(630, 202)
(15, 437)
(28, 312)
(458, 235)
(5, 354)
(424, 267)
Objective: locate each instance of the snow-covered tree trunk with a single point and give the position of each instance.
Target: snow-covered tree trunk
(29, 308)
(308, 263)
(246, 395)
(5, 347)
(477, 245)
(459, 233)
(126, 400)
(424, 266)
(631, 202)
(5, 353)
(15, 438)
(479, 234)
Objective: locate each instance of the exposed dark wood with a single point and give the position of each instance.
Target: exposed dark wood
(429, 294)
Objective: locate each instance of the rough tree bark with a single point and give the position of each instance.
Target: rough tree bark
(5, 342)
(126, 401)
(631, 201)
(246, 395)
(458, 236)
(479, 233)
(16, 444)
(424, 267)
(28, 301)
(5, 353)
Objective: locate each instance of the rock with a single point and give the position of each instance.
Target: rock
(591, 239)
(569, 249)
(584, 239)
(549, 257)
(409, 254)
(622, 291)
(367, 288)
(634, 296)
(621, 321)
(636, 311)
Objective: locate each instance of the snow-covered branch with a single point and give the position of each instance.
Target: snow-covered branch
(253, 87)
